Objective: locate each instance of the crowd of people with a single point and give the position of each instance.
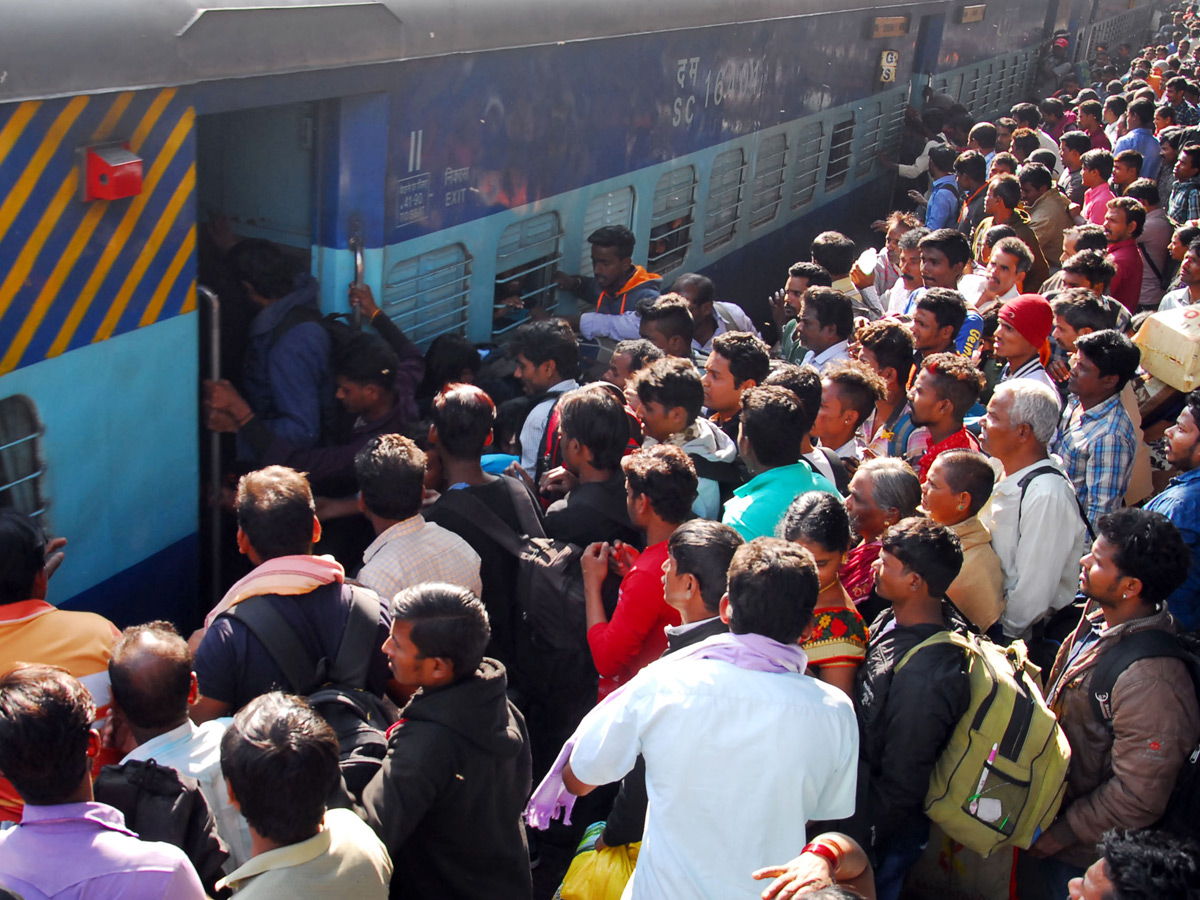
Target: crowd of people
(656, 565)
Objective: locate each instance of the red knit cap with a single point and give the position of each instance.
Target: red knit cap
(1030, 316)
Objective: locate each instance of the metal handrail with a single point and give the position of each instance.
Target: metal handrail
(356, 247)
(214, 444)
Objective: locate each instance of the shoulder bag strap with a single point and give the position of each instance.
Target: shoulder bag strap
(282, 643)
(472, 510)
(358, 640)
(1112, 663)
(1146, 256)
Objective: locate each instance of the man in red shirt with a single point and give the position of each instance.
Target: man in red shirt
(944, 390)
(660, 489)
(1123, 223)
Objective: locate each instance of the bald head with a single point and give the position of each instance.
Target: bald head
(151, 675)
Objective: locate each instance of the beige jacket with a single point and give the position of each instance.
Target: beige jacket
(1049, 218)
(978, 591)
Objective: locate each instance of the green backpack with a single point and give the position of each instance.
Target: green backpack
(1001, 778)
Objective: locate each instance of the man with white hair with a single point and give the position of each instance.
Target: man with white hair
(1037, 529)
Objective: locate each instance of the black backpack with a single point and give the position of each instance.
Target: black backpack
(160, 804)
(336, 690)
(1180, 815)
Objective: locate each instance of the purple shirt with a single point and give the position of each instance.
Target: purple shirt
(76, 850)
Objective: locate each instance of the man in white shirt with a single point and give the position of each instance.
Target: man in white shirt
(153, 686)
(1006, 270)
(732, 732)
(547, 357)
(1037, 529)
(710, 316)
(824, 326)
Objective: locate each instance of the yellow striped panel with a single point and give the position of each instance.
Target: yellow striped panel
(113, 116)
(37, 238)
(25, 182)
(189, 304)
(120, 236)
(154, 307)
(15, 126)
(133, 278)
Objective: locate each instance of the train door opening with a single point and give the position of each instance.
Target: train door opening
(925, 54)
(255, 178)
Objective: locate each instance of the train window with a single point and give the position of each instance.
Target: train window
(883, 120)
(808, 164)
(20, 461)
(427, 295)
(671, 219)
(725, 187)
(769, 170)
(841, 146)
(526, 261)
(613, 208)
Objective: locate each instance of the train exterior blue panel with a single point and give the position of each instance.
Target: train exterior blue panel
(1007, 25)
(474, 135)
(119, 442)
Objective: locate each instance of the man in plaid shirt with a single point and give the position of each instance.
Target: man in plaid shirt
(1096, 439)
(1185, 196)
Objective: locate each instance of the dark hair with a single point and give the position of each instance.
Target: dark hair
(1149, 548)
(1187, 234)
(891, 344)
(834, 252)
(968, 472)
(1172, 136)
(448, 622)
(1100, 161)
(670, 314)
(1006, 188)
(703, 549)
(45, 719)
(464, 415)
(275, 511)
(1112, 353)
(1133, 210)
(1027, 114)
(1091, 108)
(749, 358)
(672, 382)
(972, 164)
(1143, 110)
(1081, 308)
(446, 359)
(912, 238)
(1035, 174)
(1014, 246)
(1088, 237)
(1192, 151)
(640, 352)
(22, 555)
(1078, 141)
(1051, 106)
(1130, 158)
(1150, 865)
(281, 759)
(666, 476)
(1166, 111)
(1145, 191)
(859, 387)
(773, 420)
(955, 379)
(1116, 103)
(1094, 265)
(263, 266)
(948, 307)
(1042, 157)
(997, 233)
(773, 589)
(595, 418)
(618, 237)
(804, 382)
(154, 696)
(816, 276)
(1026, 141)
(831, 308)
(391, 476)
(943, 158)
(706, 291)
(984, 134)
(951, 242)
(1003, 159)
(552, 339)
(931, 550)
(819, 517)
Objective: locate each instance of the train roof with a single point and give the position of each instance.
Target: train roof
(62, 47)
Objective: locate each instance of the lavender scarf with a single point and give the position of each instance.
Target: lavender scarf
(753, 652)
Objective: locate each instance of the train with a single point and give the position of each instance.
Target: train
(445, 152)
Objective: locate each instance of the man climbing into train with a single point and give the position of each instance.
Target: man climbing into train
(615, 287)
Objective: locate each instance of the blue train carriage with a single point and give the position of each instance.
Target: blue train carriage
(466, 148)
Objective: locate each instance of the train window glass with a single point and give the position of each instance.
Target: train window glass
(20, 459)
(724, 198)
(671, 219)
(871, 132)
(427, 295)
(808, 164)
(526, 261)
(769, 170)
(883, 121)
(841, 147)
(613, 208)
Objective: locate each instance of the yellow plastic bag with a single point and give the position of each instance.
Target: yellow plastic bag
(598, 874)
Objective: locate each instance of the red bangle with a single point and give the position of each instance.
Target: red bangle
(827, 853)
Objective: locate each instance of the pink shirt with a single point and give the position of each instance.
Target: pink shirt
(1095, 203)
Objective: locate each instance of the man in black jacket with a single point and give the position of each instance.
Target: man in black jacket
(906, 718)
(449, 797)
